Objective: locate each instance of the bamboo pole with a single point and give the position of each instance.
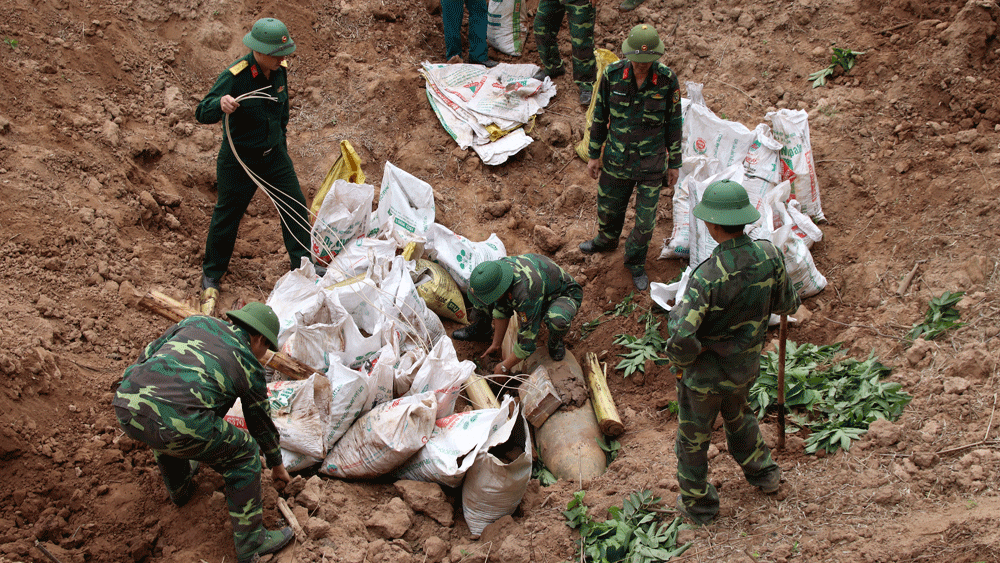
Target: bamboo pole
(479, 393)
(604, 403)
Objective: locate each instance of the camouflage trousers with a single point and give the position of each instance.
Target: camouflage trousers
(560, 315)
(613, 195)
(548, 20)
(225, 448)
(698, 411)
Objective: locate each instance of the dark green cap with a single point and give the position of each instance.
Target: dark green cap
(726, 203)
(260, 318)
(269, 37)
(489, 281)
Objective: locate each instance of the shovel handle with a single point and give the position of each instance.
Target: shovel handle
(782, 337)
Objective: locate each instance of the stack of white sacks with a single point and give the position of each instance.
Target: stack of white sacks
(774, 165)
(385, 403)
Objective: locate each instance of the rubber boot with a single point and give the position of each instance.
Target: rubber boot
(480, 329)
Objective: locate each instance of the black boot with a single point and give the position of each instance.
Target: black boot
(480, 329)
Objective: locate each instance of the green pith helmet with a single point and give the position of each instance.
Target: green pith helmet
(489, 281)
(643, 44)
(726, 203)
(258, 317)
(269, 37)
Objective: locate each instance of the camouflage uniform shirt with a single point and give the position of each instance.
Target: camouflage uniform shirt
(538, 281)
(717, 329)
(194, 374)
(258, 123)
(641, 124)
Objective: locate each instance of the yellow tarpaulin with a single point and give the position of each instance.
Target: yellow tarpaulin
(347, 167)
(604, 58)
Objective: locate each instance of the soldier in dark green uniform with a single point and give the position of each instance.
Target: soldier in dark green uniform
(638, 113)
(257, 129)
(534, 288)
(175, 396)
(716, 333)
(548, 20)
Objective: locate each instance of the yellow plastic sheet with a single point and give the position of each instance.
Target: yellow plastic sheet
(604, 58)
(347, 167)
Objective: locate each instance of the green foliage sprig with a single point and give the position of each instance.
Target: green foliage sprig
(941, 316)
(643, 349)
(633, 534)
(838, 397)
(844, 58)
(623, 309)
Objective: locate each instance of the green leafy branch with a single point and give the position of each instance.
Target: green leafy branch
(633, 534)
(542, 473)
(12, 43)
(843, 58)
(941, 316)
(838, 397)
(623, 309)
(641, 350)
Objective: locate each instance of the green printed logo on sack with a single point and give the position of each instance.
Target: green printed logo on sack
(462, 260)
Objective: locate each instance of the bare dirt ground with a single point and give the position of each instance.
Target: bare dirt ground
(108, 184)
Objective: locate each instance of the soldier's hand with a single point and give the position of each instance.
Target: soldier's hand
(279, 473)
(228, 104)
(594, 167)
(490, 350)
(673, 174)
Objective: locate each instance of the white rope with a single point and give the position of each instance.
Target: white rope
(421, 334)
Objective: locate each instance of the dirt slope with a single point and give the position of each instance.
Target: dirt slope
(108, 185)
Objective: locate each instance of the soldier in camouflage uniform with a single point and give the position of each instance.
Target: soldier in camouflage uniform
(638, 114)
(174, 398)
(548, 20)
(716, 334)
(534, 288)
(257, 129)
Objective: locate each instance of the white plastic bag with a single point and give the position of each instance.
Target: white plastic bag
(459, 255)
(506, 30)
(295, 293)
(357, 259)
(443, 374)
(348, 398)
(494, 486)
(452, 447)
(709, 135)
(406, 310)
(344, 215)
(791, 129)
(695, 168)
(300, 411)
(762, 165)
(381, 440)
(405, 206)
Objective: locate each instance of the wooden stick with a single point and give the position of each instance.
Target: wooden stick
(604, 404)
(904, 284)
(782, 337)
(288, 365)
(292, 520)
(175, 311)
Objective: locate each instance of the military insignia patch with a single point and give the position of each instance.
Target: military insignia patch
(238, 67)
(677, 96)
(522, 318)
